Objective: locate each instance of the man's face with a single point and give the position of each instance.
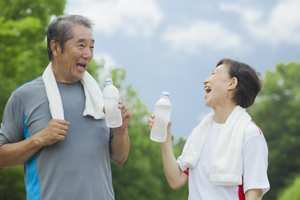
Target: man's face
(78, 52)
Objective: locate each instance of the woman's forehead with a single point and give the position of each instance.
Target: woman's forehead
(222, 67)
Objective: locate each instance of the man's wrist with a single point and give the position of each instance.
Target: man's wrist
(118, 131)
(38, 142)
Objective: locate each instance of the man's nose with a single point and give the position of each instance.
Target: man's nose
(88, 54)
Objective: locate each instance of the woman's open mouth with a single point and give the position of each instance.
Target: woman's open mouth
(207, 89)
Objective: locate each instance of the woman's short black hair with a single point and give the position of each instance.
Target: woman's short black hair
(249, 82)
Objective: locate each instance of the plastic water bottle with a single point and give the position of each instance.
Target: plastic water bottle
(162, 116)
(111, 98)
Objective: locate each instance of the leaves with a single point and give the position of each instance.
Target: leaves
(276, 112)
(23, 52)
(293, 192)
(142, 175)
(12, 185)
(23, 57)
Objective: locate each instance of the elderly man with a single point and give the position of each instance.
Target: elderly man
(65, 157)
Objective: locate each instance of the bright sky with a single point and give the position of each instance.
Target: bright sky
(173, 45)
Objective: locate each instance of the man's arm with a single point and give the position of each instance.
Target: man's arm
(253, 194)
(14, 154)
(120, 144)
(175, 177)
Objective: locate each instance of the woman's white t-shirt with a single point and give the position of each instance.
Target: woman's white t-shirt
(255, 164)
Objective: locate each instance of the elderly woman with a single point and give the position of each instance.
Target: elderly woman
(226, 155)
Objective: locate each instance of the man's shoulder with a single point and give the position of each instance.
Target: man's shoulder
(30, 85)
(30, 88)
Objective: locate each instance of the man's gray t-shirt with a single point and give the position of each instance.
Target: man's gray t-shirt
(76, 168)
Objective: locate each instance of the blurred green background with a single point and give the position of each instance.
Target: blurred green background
(23, 57)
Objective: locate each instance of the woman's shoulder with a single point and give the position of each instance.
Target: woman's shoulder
(252, 130)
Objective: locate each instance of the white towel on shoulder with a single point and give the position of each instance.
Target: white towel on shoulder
(226, 167)
(94, 99)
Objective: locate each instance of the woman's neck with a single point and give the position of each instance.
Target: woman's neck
(222, 112)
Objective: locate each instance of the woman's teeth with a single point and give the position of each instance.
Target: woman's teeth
(207, 89)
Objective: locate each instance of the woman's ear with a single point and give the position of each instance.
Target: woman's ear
(54, 48)
(233, 83)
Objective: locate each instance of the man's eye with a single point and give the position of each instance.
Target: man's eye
(81, 45)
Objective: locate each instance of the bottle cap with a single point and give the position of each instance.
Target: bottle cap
(108, 80)
(165, 94)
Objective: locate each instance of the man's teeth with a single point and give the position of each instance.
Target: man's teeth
(80, 66)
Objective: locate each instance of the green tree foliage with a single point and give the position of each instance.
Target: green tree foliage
(23, 57)
(292, 192)
(276, 111)
(22, 41)
(141, 176)
(12, 184)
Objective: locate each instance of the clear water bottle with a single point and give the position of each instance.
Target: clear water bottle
(162, 116)
(111, 98)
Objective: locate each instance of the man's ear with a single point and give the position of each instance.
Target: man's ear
(54, 48)
(233, 83)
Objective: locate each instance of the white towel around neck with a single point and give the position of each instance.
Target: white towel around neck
(94, 99)
(226, 167)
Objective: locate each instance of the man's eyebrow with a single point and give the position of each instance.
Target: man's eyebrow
(83, 40)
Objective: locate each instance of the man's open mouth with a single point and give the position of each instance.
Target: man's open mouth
(81, 66)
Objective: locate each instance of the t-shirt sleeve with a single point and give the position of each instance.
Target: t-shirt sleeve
(12, 123)
(255, 162)
(180, 164)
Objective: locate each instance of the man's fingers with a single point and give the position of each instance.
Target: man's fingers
(60, 121)
(121, 104)
(60, 138)
(126, 112)
(61, 127)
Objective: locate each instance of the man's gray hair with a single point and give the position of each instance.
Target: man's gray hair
(60, 30)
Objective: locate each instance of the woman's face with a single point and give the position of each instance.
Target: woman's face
(216, 87)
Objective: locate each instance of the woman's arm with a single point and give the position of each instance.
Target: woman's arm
(253, 194)
(175, 177)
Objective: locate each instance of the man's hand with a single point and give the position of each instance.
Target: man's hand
(126, 116)
(14, 154)
(120, 144)
(56, 130)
